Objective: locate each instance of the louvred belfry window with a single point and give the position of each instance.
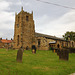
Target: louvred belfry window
(27, 18)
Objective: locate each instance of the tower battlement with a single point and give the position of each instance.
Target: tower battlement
(24, 29)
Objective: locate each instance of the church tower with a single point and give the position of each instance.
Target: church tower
(24, 31)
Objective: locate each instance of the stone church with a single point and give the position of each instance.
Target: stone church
(25, 35)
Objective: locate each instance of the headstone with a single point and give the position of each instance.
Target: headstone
(58, 52)
(19, 55)
(72, 50)
(64, 55)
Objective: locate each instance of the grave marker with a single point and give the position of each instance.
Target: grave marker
(64, 55)
(19, 55)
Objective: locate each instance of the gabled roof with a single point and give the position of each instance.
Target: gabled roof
(48, 36)
(6, 41)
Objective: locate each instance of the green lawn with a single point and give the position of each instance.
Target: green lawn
(41, 63)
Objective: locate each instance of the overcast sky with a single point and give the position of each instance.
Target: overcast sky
(49, 19)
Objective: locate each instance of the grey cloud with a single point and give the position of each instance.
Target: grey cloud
(58, 26)
(7, 33)
(49, 19)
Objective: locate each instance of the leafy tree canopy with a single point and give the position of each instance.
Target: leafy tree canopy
(71, 35)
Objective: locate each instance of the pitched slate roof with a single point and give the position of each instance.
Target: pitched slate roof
(48, 36)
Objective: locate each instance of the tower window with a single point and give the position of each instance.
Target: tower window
(27, 18)
(72, 44)
(58, 46)
(17, 25)
(67, 44)
(17, 40)
(18, 18)
(62, 44)
(38, 42)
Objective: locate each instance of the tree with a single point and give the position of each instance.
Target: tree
(71, 35)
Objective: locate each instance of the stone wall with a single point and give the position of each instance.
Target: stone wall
(24, 34)
(24, 30)
(44, 43)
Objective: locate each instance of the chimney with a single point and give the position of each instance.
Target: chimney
(6, 39)
(1, 38)
(11, 39)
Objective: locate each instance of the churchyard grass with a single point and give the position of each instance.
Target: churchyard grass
(41, 63)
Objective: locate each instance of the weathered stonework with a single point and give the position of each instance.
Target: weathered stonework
(25, 35)
(24, 30)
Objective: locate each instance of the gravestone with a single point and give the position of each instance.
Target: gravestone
(58, 52)
(19, 55)
(72, 50)
(64, 55)
(61, 55)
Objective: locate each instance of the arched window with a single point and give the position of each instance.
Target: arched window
(58, 46)
(72, 44)
(62, 43)
(27, 18)
(17, 25)
(18, 19)
(38, 42)
(17, 40)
